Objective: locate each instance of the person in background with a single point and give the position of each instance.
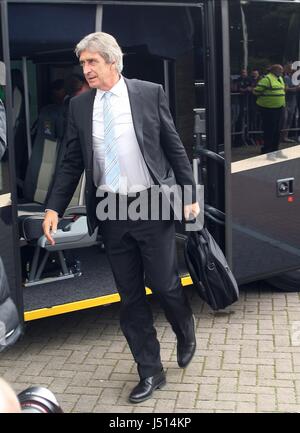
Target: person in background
(57, 91)
(243, 87)
(243, 82)
(75, 84)
(254, 113)
(291, 104)
(270, 92)
(254, 78)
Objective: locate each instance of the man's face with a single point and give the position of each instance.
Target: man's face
(97, 72)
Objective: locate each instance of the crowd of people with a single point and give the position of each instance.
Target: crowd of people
(257, 106)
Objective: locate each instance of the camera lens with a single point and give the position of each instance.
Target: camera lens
(37, 399)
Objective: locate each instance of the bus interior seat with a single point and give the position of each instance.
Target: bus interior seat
(42, 162)
(47, 153)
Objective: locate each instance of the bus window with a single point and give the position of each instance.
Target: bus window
(265, 132)
(263, 35)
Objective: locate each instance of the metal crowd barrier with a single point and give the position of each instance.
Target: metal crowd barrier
(246, 121)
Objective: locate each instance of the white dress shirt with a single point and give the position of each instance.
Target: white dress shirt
(134, 174)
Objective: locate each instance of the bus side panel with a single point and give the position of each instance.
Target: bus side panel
(266, 235)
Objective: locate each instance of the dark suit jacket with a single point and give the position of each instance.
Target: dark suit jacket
(159, 142)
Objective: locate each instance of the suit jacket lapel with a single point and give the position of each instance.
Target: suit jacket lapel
(88, 114)
(135, 99)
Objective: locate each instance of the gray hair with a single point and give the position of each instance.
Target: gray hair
(104, 44)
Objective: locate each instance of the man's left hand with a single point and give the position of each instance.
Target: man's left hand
(191, 209)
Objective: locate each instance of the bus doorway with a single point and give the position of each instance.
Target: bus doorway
(78, 276)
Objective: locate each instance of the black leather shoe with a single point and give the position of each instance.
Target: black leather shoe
(146, 386)
(186, 349)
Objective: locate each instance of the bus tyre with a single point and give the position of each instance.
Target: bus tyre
(288, 282)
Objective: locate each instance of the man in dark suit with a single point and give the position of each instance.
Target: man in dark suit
(122, 134)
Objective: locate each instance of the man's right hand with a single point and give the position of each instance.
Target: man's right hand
(50, 225)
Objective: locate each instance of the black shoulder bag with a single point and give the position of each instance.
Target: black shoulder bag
(209, 270)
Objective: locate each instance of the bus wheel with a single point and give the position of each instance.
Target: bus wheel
(288, 282)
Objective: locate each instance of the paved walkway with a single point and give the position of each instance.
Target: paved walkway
(247, 359)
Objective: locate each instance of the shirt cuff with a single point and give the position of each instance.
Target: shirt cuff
(46, 210)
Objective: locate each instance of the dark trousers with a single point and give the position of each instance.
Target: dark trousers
(272, 119)
(140, 251)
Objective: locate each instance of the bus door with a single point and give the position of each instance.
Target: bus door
(262, 145)
(10, 319)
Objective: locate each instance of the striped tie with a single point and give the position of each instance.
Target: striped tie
(112, 169)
